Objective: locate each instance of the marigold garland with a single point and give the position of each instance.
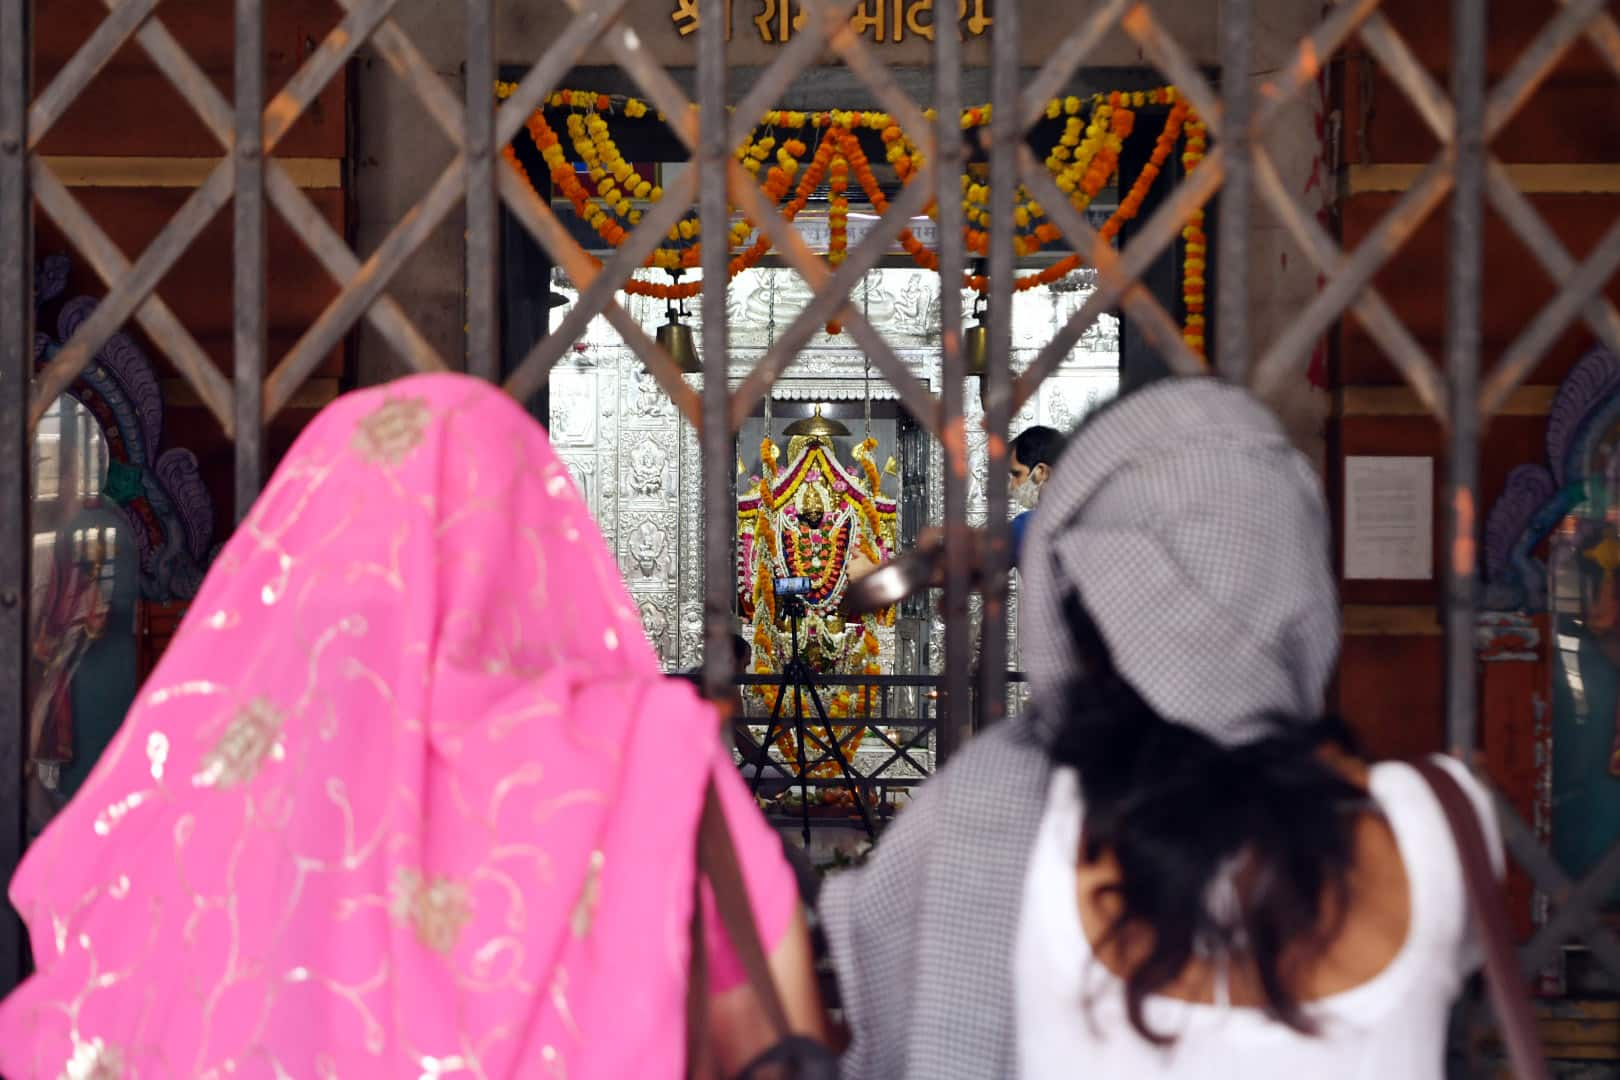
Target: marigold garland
(1196, 247)
(1083, 162)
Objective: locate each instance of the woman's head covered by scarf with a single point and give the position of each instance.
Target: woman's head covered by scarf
(407, 794)
(1196, 538)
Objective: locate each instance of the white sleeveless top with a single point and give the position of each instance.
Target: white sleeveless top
(1394, 1025)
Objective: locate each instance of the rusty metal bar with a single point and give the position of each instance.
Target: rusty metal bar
(483, 197)
(92, 56)
(1550, 878)
(1069, 55)
(541, 221)
(714, 213)
(1511, 203)
(16, 369)
(325, 62)
(831, 296)
(1119, 275)
(1302, 70)
(1579, 906)
(585, 27)
(155, 316)
(407, 61)
(1168, 56)
(1603, 32)
(362, 289)
(950, 161)
(680, 114)
(874, 73)
(1398, 63)
(1350, 284)
(1580, 289)
(311, 225)
(1006, 139)
(186, 76)
(531, 374)
(1466, 255)
(1536, 63)
(126, 291)
(913, 392)
(249, 263)
(1232, 237)
(802, 51)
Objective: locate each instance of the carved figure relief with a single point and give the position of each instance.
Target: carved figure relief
(649, 468)
(649, 551)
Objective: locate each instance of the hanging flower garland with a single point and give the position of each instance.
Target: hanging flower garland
(1129, 207)
(1083, 162)
(1196, 247)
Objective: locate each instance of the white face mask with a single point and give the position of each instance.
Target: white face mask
(1026, 494)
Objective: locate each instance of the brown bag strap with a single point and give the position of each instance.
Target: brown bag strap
(717, 861)
(1508, 992)
(698, 1064)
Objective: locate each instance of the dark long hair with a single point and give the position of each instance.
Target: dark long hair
(1176, 809)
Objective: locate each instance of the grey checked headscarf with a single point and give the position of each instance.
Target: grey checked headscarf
(1197, 539)
(1196, 536)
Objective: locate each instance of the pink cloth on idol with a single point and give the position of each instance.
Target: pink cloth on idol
(407, 795)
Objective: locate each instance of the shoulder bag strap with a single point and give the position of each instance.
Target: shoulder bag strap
(717, 861)
(1509, 995)
(699, 1066)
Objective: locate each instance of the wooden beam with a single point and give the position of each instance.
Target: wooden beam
(1532, 400)
(1560, 179)
(179, 172)
(1391, 620)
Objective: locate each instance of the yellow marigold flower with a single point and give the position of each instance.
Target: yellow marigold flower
(1071, 105)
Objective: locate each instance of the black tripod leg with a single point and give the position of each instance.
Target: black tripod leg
(804, 770)
(764, 757)
(837, 750)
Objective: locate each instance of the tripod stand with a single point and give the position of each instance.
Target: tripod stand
(799, 679)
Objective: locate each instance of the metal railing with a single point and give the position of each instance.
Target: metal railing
(1238, 166)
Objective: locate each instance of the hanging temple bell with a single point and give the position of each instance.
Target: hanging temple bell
(976, 341)
(676, 338)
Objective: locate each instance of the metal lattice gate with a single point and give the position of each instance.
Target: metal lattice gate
(1238, 166)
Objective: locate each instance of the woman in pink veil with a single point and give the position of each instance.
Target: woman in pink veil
(407, 795)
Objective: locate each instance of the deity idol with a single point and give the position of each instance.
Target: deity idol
(815, 519)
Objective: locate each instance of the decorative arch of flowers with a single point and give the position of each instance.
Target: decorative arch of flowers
(796, 151)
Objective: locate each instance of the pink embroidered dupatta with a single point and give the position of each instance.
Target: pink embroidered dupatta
(407, 796)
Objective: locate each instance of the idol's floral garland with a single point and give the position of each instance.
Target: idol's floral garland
(843, 704)
(1082, 163)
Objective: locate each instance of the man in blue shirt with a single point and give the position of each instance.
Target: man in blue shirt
(1033, 455)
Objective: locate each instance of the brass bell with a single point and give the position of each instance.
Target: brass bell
(675, 338)
(976, 341)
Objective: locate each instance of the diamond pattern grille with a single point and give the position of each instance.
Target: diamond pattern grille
(250, 129)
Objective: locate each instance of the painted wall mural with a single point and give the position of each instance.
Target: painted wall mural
(1552, 547)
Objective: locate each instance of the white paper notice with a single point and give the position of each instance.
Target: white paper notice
(1389, 518)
